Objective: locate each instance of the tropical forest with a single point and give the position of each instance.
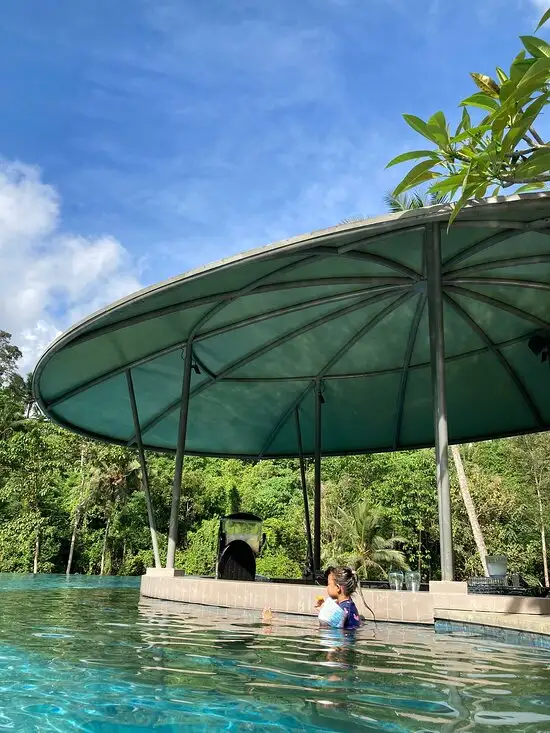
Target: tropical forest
(71, 505)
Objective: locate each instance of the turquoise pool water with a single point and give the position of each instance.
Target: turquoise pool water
(84, 655)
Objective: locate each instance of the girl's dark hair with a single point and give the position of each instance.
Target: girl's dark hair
(346, 578)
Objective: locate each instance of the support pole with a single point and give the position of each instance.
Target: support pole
(437, 352)
(143, 465)
(180, 454)
(304, 490)
(317, 483)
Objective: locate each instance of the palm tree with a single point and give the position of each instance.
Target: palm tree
(360, 541)
(415, 200)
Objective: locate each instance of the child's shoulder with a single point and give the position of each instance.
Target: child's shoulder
(352, 614)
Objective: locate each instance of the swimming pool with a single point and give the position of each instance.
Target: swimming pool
(84, 655)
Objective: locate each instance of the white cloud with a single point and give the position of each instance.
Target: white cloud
(50, 278)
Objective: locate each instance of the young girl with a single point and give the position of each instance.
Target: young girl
(341, 585)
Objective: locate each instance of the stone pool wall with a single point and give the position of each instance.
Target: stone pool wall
(444, 601)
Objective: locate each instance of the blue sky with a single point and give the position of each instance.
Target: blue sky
(140, 138)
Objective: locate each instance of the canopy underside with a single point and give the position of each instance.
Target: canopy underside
(344, 307)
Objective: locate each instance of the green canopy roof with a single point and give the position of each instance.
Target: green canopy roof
(346, 306)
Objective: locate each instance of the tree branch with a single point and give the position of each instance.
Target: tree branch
(537, 137)
(507, 182)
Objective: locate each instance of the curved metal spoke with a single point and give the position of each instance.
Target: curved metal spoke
(405, 370)
(269, 346)
(479, 246)
(284, 417)
(508, 368)
(507, 282)
(497, 264)
(500, 304)
(151, 356)
(355, 254)
(372, 322)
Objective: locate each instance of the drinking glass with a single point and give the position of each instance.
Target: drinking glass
(395, 579)
(412, 580)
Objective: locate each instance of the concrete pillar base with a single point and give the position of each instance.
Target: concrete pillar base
(448, 586)
(165, 572)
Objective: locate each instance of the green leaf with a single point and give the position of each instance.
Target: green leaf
(413, 155)
(543, 20)
(530, 187)
(465, 122)
(535, 46)
(420, 126)
(541, 67)
(486, 84)
(446, 184)
(501, 75)
(437, 126)
(520, 65)
(438, 120)
(515, 134)
(420, 173)
(538, 164)
(475, 133)
(484, 101)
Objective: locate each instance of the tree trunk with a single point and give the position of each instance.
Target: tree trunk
(470, 508)
(78, 509)
(36, 553)
(73, 541)
(543, 538)
(104, 551)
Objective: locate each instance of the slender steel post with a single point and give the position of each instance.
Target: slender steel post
(304, 490)
(437, 352)
(317, 483)
(143, 465)
(180, 454)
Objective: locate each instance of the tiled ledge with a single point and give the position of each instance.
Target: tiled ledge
(400, 606)
(532, 623)
(299, 599)
(491, 604)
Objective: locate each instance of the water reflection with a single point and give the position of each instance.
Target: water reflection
(87, 656)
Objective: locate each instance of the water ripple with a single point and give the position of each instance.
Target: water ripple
(89, 657)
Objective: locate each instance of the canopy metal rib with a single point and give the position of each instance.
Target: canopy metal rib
(374, 321)
(479, 246)
(406, 367)
(370, 257)
(279, 340)
(374, 372)
(466, 223)
(374, 239)
(151, 356)
(516, 380)
(202, 366)
(535, 225)
(270, 345)
(247, 289)
(296, 402)
(502, 281)
(217, 298)
(500, 304)
(228, 295)
(285, 310)
(497, 264)
(309, 254)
